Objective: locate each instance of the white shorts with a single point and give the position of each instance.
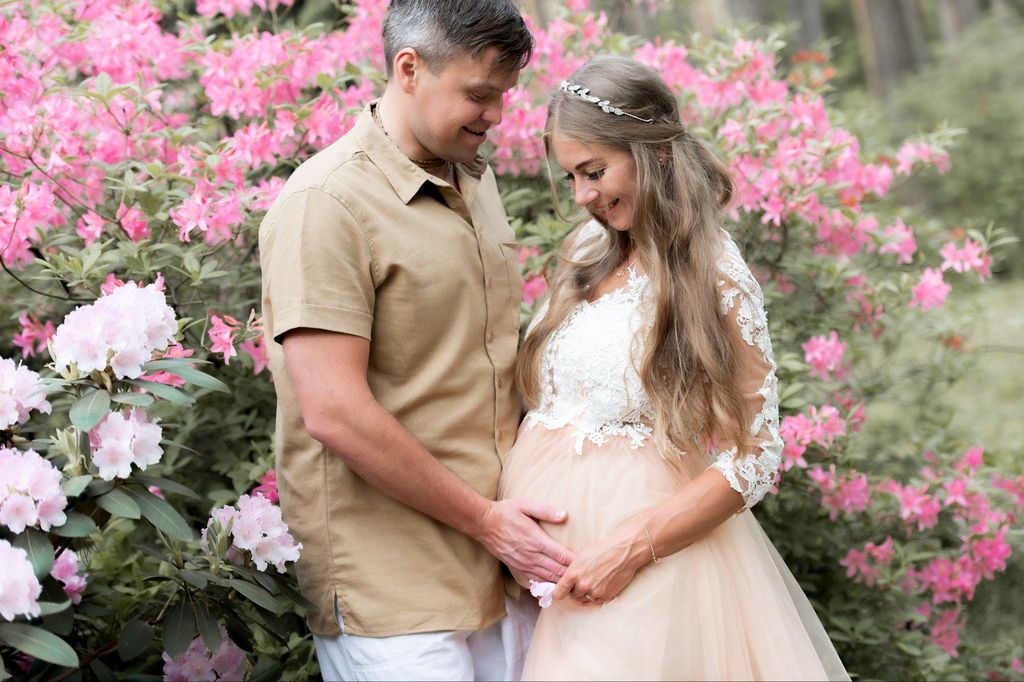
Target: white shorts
(494, 653)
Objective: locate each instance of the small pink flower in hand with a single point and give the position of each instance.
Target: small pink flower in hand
(543, 592)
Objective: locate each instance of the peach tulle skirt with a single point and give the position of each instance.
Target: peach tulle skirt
(724, 608)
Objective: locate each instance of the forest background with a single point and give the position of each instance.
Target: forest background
(879, 148)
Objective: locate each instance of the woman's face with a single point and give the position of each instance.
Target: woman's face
(601, 178)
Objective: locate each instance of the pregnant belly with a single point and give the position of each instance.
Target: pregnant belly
(599, 488)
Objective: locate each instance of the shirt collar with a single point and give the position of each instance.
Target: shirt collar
(406, 178)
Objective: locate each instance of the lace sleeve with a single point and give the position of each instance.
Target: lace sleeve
(752, 474)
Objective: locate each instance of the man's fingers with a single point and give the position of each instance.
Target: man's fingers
(543, 512)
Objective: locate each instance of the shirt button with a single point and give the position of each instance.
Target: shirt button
(501, 383)
(490, 337)
(501, 436)
(490, 282)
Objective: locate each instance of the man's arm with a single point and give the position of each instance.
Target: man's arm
(339, 410)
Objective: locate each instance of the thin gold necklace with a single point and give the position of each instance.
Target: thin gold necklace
(625, 266)
(426, 164)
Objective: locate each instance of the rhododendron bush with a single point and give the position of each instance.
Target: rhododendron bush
(140, 147)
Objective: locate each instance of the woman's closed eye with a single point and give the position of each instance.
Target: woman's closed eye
(592, 176)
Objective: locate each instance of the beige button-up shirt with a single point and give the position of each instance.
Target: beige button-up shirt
(361, 241)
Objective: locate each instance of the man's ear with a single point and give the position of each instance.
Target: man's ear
(406, 69)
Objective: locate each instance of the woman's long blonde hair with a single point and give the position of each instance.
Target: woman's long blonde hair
(688, 368)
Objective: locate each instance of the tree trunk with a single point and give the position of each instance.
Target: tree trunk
(810, 20)
(886, 31)
(956, 15)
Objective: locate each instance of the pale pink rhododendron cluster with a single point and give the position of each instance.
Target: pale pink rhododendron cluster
(257, 528)
(121, 330)
(124, 439)
(19, 587)
(21, 392)
(66, 569)
(197, 663)
(825, 356)
(30, 492)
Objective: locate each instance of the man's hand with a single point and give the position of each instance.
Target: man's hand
(509, 531)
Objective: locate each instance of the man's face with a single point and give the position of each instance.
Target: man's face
(455, 107)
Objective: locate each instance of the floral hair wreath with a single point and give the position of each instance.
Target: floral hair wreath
(584, 94)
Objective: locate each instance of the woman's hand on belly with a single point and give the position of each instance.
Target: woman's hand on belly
(601, 571)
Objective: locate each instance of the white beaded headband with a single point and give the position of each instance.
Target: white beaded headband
(584, 94)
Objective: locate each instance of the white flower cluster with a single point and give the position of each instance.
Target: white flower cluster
(256, 527)
(21, 390)
(120, 441)
(120, 330)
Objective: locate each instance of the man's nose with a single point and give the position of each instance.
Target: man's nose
(493, 113)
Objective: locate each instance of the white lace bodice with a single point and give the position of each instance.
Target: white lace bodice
(590, 378)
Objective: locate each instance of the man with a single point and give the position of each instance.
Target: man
(391, 308)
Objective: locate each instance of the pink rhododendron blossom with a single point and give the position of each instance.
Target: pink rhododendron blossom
(858, 567)
(900, 241)
(133, 222)
(123, 440)
(33, 335)
(222, 336)
(175, 350)
(267, 486)
(544, 592)
(970, 256)
(971, 460)
(913, 152)
(825, 355)
(916, 505)
(844, 493)
(19, 587)
(197, 663)
(931, 291)
(946, 631)
(121, 330)
(533, 288)
(30, 492)
(881, 553)
(257, 350)
(66, 570)
(257, 528)
(21, 392)
(89, 227)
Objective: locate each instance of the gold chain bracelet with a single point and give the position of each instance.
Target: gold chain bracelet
(650, 540)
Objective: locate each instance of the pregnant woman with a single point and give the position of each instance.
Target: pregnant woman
(654, 412)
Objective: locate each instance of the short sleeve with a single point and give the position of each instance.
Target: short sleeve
(752, 474)
(318, 267)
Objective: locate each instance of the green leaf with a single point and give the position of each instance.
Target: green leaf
(167, 486)
(266, 670)
(39, 550)
(133, 399)
(48, 608)
(38, 642)
(103, 83)
(169, 363)
(119, 503)
(257, 595)
(209, 628)
(78, 525)
(194, 578)
(90, 409)
(201, 379)
(164, 391)
(98, 486)
(101, 671)
(73, 487)
(161, 514)
(134, 639)
(179, 629)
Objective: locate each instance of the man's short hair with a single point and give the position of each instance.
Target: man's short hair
(442, 29)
